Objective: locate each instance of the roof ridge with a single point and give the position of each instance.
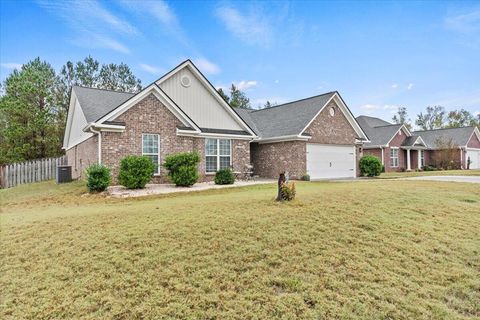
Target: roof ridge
(283, 104)
(389, 125)
(445, 129)
(102, 89)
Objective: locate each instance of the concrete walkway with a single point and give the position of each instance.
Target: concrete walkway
(150, 189)
(470, 179)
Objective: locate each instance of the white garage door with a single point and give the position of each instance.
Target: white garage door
(474, 158)
(327, 161)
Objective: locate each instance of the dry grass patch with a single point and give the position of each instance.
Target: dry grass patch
(390, 175)
(379, 249)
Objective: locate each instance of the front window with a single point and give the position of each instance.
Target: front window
(393, 158)
(218, 154)
(422, 158)
(151, 149)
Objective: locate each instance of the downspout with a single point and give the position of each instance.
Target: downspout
(383, 157)
(99, 134)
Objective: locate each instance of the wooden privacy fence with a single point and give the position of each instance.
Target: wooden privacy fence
(14, 174)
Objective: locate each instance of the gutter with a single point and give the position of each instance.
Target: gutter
(283, 138)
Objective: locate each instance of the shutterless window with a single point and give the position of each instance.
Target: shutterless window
(422, 158)
(218, 154)
(151, 149)
(393, 158)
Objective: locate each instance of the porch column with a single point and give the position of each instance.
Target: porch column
(419, 162)
(383, 158)
(409, 166)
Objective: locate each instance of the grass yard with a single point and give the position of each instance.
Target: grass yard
(382, 249)
(390, 175)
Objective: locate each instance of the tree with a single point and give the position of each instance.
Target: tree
(445, 156)
(433, 118)
(238, 98)
(402, 118)
(223, 95)
(460, 118)
(29, 124)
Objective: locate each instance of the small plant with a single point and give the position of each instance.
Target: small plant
(135, 171)
(182, 168)
(370, 166)
(288, 191)
(224, 176)
(306, 177)
(98, 178)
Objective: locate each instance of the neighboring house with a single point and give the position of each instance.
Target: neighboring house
(399, 149)
(182, 111)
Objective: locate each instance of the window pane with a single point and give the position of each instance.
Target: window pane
(154, 159)
(211, 147)
(224, 162)
(211, 164)
(224, 147)
(150, 143)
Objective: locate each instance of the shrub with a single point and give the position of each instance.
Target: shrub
(224, 176)
(383, 168)
(288, 191)
(182, 168)
(135, 171)
(306, 177)
(429, 168)
(370, 166)
(98, 178)
(185, 176)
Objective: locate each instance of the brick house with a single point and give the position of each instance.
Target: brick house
(399, 149)
(182, 111)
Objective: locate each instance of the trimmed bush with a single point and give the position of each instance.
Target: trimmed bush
(185, 176)
(288, 191)
(370, 166)
(182, 168)
(98, 178)
(135, 171)
(224, 176)
(306, 177)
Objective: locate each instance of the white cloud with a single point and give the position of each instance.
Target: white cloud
(206, 66)
(410, 86)
(464, 23)
(92, 24)
(244, 85)
(150, 69)
(370, 108)
(394, 86)
(11, 65)
(253, 28)
(277, 81)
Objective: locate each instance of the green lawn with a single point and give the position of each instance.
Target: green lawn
(381, 249)
(390, 175)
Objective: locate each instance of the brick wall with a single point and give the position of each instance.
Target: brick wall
(474, 142)
(151, 116)
(402, 155)
(82, 155)
(327, 129)
(270, 159)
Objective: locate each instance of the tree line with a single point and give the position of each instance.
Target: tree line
(436, 117)
(35, 100)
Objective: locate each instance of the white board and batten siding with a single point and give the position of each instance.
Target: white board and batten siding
(198, 102)
(77, 122)
(474, 155)
(330, 161)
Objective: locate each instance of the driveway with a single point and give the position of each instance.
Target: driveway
(471, 179)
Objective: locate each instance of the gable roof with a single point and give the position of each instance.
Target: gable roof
(459, 136)
(379, 131)
(289, 119)
(97, 102)
(413, 141)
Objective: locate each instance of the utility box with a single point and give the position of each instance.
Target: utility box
(64, 174)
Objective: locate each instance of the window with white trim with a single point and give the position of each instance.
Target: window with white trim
(393, 158)
(218, 154)
(151, 149)
(422, 158)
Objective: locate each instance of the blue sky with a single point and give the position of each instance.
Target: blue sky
(378, 55)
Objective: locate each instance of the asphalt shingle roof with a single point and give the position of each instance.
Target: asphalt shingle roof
(379, 132)
(459, 136)
(286, 119)
(96, 103)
